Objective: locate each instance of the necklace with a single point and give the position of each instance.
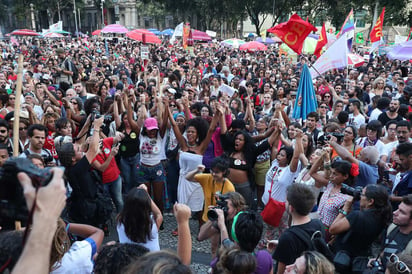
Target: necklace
(189, 145)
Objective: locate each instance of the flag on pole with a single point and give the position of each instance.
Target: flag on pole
(177, 33)
(293, 32)
(263, 35)
(376, 32)
(336, 56)
(359, 38)
(186, 34)
(322, 41)
(305, 98)
(56, 27)
(348, 25)
(409, 36)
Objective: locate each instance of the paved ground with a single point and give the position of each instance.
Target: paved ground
(200, 250)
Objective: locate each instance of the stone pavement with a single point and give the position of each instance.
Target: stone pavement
(200, 250)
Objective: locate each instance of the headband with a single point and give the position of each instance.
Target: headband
(233, 226)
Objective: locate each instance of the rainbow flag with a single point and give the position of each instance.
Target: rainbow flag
(348, 25)
(410, 35)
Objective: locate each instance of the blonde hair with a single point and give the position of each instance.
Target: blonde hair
(316, 263)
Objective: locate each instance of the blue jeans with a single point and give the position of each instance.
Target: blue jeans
(128, 167)
(115, 190)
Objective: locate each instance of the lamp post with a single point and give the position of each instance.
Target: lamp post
(33, 22)
(75, 18)
(102, 3)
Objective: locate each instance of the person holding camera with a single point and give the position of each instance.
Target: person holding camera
(356, 230)
(215, 185)
(332, 200)
(37, 136)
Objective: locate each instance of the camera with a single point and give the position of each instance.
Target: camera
(377, 268)
(12, 201)
(352, 191)
(337, 135)
(221, 202)
(47, 159)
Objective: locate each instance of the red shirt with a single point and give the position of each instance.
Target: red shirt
(112, 172)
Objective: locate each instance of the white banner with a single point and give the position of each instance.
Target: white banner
(336, 56)
(56, 27)
(178, 33)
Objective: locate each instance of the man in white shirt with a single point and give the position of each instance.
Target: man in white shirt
(355, 117)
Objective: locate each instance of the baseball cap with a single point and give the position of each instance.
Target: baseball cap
(150, 123)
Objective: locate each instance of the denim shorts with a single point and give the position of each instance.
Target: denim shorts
(151, 174)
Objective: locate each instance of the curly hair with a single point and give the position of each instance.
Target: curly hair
(88, 104)
(137, 223)
(201, 127)
(113, 259)
(234, 260)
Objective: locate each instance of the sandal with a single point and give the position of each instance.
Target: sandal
(175, 232)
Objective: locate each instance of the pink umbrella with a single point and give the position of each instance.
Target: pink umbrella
(114, 28)
(53, 35)
(24, 32)
(96, 32)
(144, 36)
(355, 60)
(198, 35)
(253, 46)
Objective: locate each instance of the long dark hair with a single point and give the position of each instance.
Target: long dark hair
(381, 203)
(248, 151)
(201, 127)
(135, 215)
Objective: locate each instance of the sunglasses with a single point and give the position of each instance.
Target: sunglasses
(401, 267)
(3, 131)
(323, 107)
(74, 103)
(172, 105)
(22, 128)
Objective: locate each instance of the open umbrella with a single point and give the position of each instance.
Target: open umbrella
(198, 35)
(24, 32)
(53, 35)
(167, 32)
(269, 40)
(305, 97)
(355, 60)
(232, 43)
(155, 31)
(96, 32)
(143, 35)
(114, 28)
(401, 52)
(253, 46)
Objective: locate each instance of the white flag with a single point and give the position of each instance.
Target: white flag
(335, 57)
(56, 27)
(178, 33)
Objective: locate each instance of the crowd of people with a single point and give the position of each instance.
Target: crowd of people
(210, 134)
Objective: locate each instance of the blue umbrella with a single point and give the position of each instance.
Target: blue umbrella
(167, 32)
(305, 97)
(155, 31)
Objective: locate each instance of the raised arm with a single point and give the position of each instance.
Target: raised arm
(184, 243)
(191, 175)
(212, 127)
(297, 151)
(175, 127)
(342, 151)
(164, 114)
(157, 214)
(116, 116)
(321, 179)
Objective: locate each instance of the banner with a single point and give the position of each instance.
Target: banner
(177, 33)
(263, 35)
(293, 32)
(335, 57)
(56, 27)
(376, 32)
(322, 41)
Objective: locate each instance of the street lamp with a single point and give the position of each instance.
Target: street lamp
(102, 3)
(33, 23)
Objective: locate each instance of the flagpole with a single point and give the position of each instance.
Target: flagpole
(310, 64)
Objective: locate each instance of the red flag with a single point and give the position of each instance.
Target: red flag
(186, 33)
(293, 32)
(322, 41)
(376, 32)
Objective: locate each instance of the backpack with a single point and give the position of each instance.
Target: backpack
(314, 242)
(71, 66)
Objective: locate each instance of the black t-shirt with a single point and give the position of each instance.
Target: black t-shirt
(129, 146)
(290, 247)
(365, 227)
(383, 118)
(82, 181)
(395, 242)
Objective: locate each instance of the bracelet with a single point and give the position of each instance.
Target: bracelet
(97, 130)
(343, 212)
